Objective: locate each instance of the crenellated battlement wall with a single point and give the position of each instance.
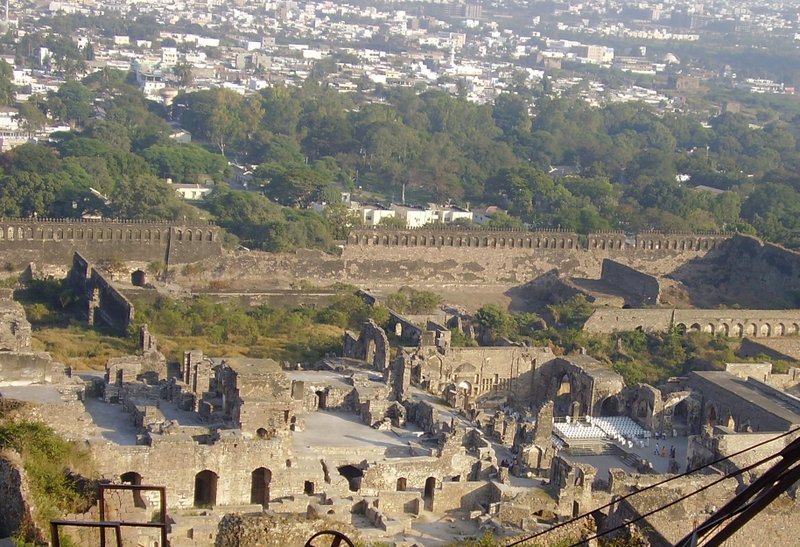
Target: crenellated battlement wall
(450, 256)
(55, 240)
(541, 239)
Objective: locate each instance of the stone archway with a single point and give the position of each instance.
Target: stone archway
(135, 479)
(205, 489)
(680, 414)
(321, 400)
(259, 486)
(711, 416)
(427, 495)
(138, 278)
(563, 396)
(610, 406)
(402, 484)
(353, 475)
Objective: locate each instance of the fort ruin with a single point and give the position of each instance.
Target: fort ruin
(404, 429)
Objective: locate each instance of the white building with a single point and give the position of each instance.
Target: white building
(192, 192)
(372, 216)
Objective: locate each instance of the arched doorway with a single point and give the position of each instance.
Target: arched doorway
(261, 433)
(563, 397)
(463, 395)
(402, 483)
(320, 400)
(427, 496)
(712, 416)
(610, 406)
(680, 416)
(308, 488)
(134, 478)
(353, 475)
(259, 486)
(205, 489)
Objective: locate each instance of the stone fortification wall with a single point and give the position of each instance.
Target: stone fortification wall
(542, 239)
(643, 289)
(101, 298)
(53, 241)
(453, 258)
(507, 257)
(758, 323)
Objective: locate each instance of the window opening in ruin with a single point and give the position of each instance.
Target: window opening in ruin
(308, 488)
(430, 485)
(259, 486)
(261, 433)
(293, 423)
(712, 417)
(138, 278)
(321, 400)
(353, 475)
(576, 509)
(132, 477)
(205, 489)
(402, 483)
(370, 356)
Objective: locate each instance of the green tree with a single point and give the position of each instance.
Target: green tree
(495, 321)
(7, 89)
(184, 73)
(76, 103)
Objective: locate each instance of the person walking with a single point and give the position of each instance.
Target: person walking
(657, 450)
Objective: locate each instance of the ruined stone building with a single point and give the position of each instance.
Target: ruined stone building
(385, 439)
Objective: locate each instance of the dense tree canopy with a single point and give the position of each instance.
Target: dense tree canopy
(554, 162)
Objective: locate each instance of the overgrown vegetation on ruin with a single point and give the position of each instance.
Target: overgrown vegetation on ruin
(305, 334)
(297, 335)
(301, 334)
(637, 356)
(56, 470)
(58, 329)
(412, 301)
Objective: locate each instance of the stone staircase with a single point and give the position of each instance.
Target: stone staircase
(601, 448)
(597, 448)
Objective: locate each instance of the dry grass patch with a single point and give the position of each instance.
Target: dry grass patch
(80, 346)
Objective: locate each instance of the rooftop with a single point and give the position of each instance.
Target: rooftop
(780, 405)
